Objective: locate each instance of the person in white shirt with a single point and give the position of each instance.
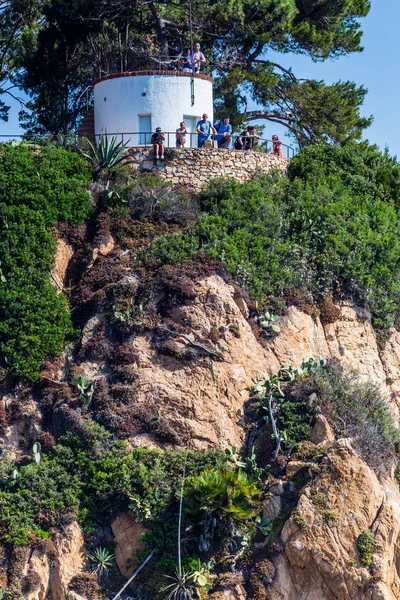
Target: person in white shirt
(181, 135)
(197, 58)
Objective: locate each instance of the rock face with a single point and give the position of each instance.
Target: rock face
(63, 256)
(320, 560)
(71, 558)
(351, 339)
(56, 573)
(39, 563)
(203, 400)
(128, 541)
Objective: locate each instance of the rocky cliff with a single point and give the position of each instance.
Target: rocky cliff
(263, 444)
(193, 369)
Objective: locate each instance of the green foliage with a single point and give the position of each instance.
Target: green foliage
(290, 421)
(249, 464)
(34, 323)
(268, 321)
(331, 227)
(300, 521)
(263, 525)
(354, 408)
(330, 518)
(108, 153)
(36, 190)
(140, 509)
(127, 314)
(228, 491)
(90, 473)
(318, 498)
(52, 181)
(36, 450)
(366, 547)
(320, 113)
(14, 17)
(361, 168)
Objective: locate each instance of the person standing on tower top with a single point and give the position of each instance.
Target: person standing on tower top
(197, 58)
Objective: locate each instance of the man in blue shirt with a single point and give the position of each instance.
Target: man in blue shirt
(204, 129)
(224, 131)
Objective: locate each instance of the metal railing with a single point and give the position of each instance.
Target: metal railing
(138, 139)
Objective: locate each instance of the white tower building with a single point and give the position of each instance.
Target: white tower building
(133, 104)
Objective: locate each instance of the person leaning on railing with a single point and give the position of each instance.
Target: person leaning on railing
(224, 133)
(181, 135)
(247, 139)
(204, 129)
(277, 149)
(186, 63)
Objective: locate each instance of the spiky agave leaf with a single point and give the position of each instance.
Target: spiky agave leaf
(102, 562)
(108, 152)
(182, 586)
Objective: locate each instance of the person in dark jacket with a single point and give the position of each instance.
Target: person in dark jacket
(157, 139)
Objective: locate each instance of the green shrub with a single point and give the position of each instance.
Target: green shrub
(36, 190)
(90, 473)
(53, 181)
(366, 547)
(362, 168)
(34, 323)
(151, 197)
(300, 521)
(330, 518)
(354, 408)
(324, 229)
(230, 492)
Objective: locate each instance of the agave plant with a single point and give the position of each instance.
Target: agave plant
(182, 587)
(102, 562)
(108, 153)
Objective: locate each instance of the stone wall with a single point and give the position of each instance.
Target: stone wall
(193, 167)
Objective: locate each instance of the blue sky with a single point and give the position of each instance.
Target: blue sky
(376, 68)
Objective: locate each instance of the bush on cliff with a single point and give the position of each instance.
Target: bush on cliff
(90, 473)
(36, 191)
(355, 408)
(52, 181)
(318, 231)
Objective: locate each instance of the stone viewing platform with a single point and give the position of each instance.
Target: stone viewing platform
(195, 167)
